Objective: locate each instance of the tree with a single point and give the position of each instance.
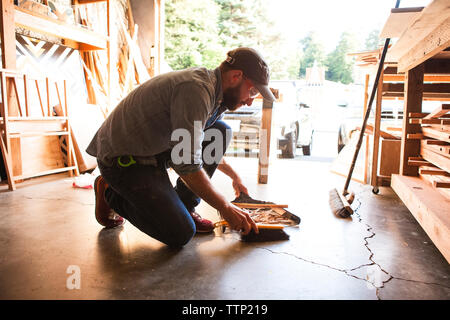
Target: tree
(201, 32)
(339, 65)
(372, 41)
(248, 23)
(191, 34)
(312, 51)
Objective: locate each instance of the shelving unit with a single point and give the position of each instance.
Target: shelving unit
(72, 36)
(422, 53)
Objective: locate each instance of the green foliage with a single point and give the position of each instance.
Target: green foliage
(199, 33)
(312, 51)
(339, 65)
(190, 34)
(372, 41)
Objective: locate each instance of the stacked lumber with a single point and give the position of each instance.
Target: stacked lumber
(130, 68)
(434, 159)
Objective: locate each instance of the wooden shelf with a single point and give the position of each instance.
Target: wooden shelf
(430, 208)
(427, 35)
(72, 36)
(398, 21)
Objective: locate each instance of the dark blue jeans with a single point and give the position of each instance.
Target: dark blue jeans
(144, 195)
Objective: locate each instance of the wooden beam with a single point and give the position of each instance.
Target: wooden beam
(431, 209)
(413, 103)
(264, 147)
(398, 21)
(436, 159)
(432, 19)
(8, 50)
(436, 180)
(376, 133)
(433, 171)
(427, 78)
(436, 134)
(442, 122)
(427, 87)
(46, 25)
(440, 111)
(439, 149)
(434, 42)
(90, 1)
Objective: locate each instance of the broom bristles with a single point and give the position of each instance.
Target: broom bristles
(339, 206)
(265, 235)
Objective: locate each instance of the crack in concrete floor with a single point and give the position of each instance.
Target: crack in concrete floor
(373, 281)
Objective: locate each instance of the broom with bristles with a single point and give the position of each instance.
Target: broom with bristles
(340, 202)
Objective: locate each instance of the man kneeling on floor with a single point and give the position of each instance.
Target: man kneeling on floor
(140, 140)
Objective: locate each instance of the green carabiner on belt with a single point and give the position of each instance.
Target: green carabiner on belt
(124, 165)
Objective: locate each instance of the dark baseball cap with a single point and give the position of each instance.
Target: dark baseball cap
(254, 67)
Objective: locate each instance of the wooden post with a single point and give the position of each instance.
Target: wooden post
(264, 142)
(366, 158)
(376, 133)
(8, 46)
(413, 103)
(5, 139)
(108, 12)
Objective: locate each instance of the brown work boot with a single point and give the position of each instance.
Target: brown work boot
(103, 213)
(202, 225)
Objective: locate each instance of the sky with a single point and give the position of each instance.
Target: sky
(329, 18)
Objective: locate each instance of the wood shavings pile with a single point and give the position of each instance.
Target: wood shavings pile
(269, 216)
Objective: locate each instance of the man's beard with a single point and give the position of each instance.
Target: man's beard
(231, 98)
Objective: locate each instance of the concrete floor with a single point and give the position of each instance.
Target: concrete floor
(380, 253)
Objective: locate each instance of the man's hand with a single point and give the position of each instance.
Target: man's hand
(238, 219)
(239, 187)
(200, 184)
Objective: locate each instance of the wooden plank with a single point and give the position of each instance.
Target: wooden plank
(431, 179)
(46, 25)
(389, 157)
(427, 96)
(259, 205)
(376, 132)
(436, 134)
(418, 114)
(413, 103)
(433, 171)
(436, 159)
(264, 152)
(367, 137)
(90, 1)
(429, 19)
(432, 88)
(43, 173)
(40, 153)
(8, 49)
(441, 122)
(431, 209)
(440, 149)
(437, 142)
(441, 184)
(436, 41)
(417, 163)
(398, 21)
(38, 133)
(415, 136)
(443, 109)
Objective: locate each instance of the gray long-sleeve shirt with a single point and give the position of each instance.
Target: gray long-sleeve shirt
(143, 122)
